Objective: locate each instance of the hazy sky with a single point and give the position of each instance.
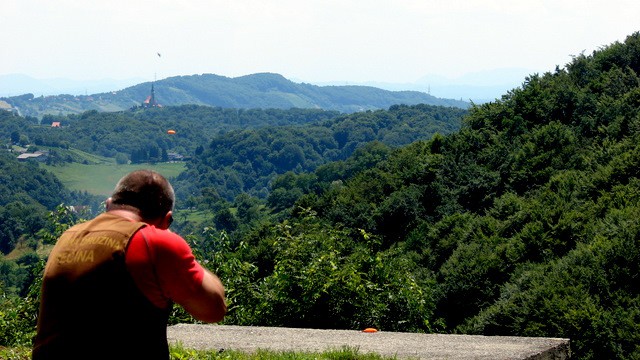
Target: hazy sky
(313, 41)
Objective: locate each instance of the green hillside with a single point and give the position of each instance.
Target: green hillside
(247, 161)
(526, 222)
(264, 90)
(241, 150)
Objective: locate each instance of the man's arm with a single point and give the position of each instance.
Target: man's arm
(174, 275)
(208, 304)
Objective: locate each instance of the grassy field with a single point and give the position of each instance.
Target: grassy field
(180, 353)
(100, 178)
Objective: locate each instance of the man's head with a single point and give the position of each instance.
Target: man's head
(146, 191)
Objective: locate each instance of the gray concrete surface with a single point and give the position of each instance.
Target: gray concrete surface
(401, 345)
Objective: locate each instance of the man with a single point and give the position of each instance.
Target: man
(110, 283)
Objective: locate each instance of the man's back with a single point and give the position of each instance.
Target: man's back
(89, 298)
(110, 283)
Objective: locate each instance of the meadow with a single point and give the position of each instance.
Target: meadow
(100, 178)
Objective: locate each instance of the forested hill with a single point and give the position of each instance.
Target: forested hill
(26, 192)
(263, 90)
(526, 222)
(247, 160)
(226, 151)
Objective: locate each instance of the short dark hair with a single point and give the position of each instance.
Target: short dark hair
(146, 190)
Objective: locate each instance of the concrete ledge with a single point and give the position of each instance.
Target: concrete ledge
(402, 345)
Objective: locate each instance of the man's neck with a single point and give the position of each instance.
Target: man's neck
(127, 214)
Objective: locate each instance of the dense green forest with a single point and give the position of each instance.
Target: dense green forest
(524, 222)
(125, 132)
(26, 193)
(246, 161)
(230, 151)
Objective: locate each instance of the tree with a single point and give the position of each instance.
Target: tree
(248, 208)
(225, 220)
(121, 158)
(15, 137)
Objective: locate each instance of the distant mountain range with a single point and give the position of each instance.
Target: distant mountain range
(19, 84)
(262, 90)
(479, 87)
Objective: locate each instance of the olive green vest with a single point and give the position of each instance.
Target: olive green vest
(90, 306)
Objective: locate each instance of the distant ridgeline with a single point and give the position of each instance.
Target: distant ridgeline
(264, 90)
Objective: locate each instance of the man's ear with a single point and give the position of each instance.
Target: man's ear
(167, 220)
(108, 204)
